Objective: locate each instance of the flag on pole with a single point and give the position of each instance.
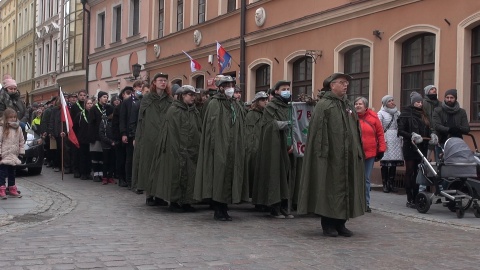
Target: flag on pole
(194, 65)
(223, 57)
(68, 121)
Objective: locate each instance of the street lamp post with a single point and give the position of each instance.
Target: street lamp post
(136, 70)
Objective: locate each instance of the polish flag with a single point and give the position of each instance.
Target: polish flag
(224, 58)
(194, 65)
(68, 121)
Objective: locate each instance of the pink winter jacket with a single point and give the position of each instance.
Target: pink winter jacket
(372, 134)
(11, 146)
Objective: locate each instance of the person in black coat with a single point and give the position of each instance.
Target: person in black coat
(56, 128)
(414, 126)
(109, 143)
(118, 126)
(95, 116)
(77, 106)
(81, 121)
(45, 127)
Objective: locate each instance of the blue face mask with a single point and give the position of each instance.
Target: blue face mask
(138, 93)
(285, 94)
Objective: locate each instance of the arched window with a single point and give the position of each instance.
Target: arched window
(357, 64)
(302, 77)
(262, 78)
(179, 82)
(200, 82)
(475, 96)
(418, 65)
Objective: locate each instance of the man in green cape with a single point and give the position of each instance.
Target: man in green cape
(184, 128)
(151, 134)
(333, 180)
(220, 166)
(270, 186)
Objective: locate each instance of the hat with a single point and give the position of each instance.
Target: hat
(185, 89)
(175, 88)
(158, 75)
(452, 92)
(35, 105)
(386, 99)
(72, 95)
(415, 97)
(9, 82)
(280, 83)
(427, 88)
(114, 98)
(331, 78)
(101, 94)
(120, 96)
(260, 95)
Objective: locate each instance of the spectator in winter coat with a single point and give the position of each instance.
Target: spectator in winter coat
(373, 140)
(108, 142)
(85, 163)
(95, 116)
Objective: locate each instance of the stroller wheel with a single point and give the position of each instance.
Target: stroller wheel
(423, 202)
(460, 213)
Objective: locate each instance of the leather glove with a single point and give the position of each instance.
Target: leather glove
(379, 156)
(454, 131)
(416, 138)
(283, 125)
(433, 139)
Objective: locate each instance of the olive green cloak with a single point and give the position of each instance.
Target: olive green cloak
(272, 170)
(150, 139)
(333, 178)
(183, 140)
(220, 166)
(252, 136)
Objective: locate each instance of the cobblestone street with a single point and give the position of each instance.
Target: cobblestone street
(84, 225)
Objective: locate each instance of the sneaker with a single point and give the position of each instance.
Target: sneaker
(104, 181)
(438, 201)
(97, 179)
(330, 232)
(56, 169)
(83, 177)
(343, 231)
(3, 195)
(150, 201)
(275, 212)
(111, 181)
(76, 175)
(411, 205)
(368, 210)
(13, 192)
(287, 215)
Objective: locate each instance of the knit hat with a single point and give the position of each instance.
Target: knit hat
(9, 82)
(427, 88)
(386, 99)
(452, 92)
(415, 97)
(175, 88)
(101, 94)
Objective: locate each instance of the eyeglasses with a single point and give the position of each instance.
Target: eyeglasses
(343, 82)
(160, 80)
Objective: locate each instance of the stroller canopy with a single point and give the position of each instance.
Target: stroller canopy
(457, 151)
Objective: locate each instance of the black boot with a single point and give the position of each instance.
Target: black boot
(392, 171)
(218, 213)
(224, 208)
(384, 171)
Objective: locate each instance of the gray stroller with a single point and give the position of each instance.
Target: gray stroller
(457, 164)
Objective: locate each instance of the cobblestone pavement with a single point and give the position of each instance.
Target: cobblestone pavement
(89, 226)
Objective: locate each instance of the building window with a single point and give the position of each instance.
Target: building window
(47, 57)
(357, 64)
(262, 78)
(302, 77)
(418, 65)
(201, 11)
(117, 23)
(179, 82)
(135, 11)
(475, 95)
(161, 17)
(54, 54)
(200, 82)
(40, 61)
(101, 30)
(179, 15)
(72, 43)
(231, 5)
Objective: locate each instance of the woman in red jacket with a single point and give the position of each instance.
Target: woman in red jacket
(373, 140)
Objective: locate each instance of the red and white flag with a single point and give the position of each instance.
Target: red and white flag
(194, 65)
(68, 121)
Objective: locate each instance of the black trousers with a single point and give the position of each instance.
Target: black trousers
(57, 161)
(129, 149)
(328, 222)
(84, 161)
(108, 162)
(74, 154)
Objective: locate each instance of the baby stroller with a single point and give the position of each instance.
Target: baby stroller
(457, 164)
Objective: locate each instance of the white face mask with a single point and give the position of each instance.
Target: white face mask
(229, 92)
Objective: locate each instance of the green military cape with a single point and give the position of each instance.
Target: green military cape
(150, 139)
(181, 153)
(273, 166)
(220, 166)
(252, 136)
(333, 178)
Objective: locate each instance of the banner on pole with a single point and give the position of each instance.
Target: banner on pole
(301, 114)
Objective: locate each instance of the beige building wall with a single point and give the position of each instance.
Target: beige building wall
(24, 51)
(7, 62)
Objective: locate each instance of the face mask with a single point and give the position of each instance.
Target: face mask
(285, 94)
(138, 93)
(432, 96)
(229, 92)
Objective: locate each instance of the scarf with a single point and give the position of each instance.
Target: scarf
(14, 125)
(391, 111)
(450, 110)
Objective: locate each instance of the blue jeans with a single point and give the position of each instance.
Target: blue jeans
(368, 171)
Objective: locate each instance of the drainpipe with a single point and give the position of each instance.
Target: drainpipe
(85, 55)
(243, 14)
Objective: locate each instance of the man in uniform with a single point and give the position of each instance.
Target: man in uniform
(333, 179)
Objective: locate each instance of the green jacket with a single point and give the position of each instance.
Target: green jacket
(252, 136)
(333, 178)
(270, 184)
(220, 166)
(181, 153)
(150, 140)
